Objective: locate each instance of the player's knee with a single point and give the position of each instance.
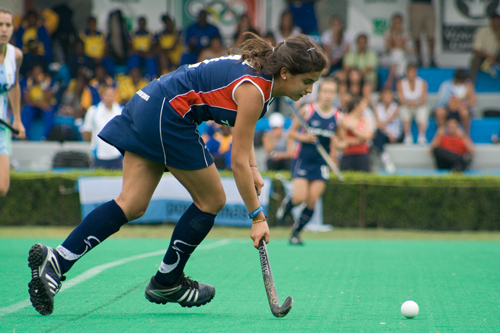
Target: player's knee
(214, 204)
(3, 192)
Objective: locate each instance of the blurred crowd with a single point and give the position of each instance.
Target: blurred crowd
(65, 72)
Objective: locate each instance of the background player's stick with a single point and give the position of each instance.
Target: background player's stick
(321, 150)
(8, 126)
(272, 296)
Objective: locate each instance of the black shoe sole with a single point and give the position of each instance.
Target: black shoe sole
(39, 292)
(157, 301)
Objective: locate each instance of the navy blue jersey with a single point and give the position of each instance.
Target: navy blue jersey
(160, 121)
(205, 91)
(323, 125)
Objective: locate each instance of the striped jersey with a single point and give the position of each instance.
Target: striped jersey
(323, 125)
(8, 71)
(205, 91)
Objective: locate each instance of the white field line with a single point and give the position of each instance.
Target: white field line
(99, 269)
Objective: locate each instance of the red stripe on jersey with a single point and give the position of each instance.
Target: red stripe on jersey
(221, 98)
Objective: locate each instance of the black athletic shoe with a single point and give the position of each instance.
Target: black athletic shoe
(46, 278)
(295, 240)
(185, 291)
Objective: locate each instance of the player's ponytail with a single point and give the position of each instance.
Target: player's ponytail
(299, 54)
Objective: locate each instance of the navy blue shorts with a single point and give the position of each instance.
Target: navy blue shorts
(151, 128)
(302, 168)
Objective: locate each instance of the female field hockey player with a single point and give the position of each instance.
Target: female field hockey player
(157, 131)
(309, 171)
(10, 62)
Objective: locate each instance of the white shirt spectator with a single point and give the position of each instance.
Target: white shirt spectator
(96, 118)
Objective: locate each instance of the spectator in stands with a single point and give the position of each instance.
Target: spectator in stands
(354, 132)
(32, 29)
(32, 58)
(412, 95)
(214, 50)
(95, 44)
(422, 22)
(451, 147)
(142, 43)
(198, 37)
(104, 155)
(270, 37)
(128, 85)
(486, 49)
(219, 141)
(170, 45)
(101, 79)
(363, 59)
(79, 59)
(336, 43)
(396, 42)
(79, 96)
(38, 97)
(304, 15)
(388, 127)
(457, 98)
(275, 142)
(286, 27)
(244, 25)
(354, 82)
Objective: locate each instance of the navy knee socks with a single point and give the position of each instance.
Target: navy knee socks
(192, 228)
(101, 223)
(305, 217)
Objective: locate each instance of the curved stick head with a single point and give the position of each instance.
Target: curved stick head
(284, 309)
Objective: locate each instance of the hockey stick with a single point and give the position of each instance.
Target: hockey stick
(321, 150)
(8, 126)
(272, 296)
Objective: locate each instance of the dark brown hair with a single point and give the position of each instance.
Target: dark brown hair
(299, 54)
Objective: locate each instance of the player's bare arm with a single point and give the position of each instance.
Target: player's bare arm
(250, 104)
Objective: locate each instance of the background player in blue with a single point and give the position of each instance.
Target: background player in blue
(10, 63)
(309, 171)
(157, 130)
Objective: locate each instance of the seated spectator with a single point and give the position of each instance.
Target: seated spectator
(32, 58)
(95, 45)
(101, 79)
(244, 25)
(219, 141)
(198, 37)
(286, 27)
(38, 97)
(336, 43)
(388, 127)
(32, 29)
(457, 98)
(304, 15)
(128, 85)
(354, 82)
(354, 132)
(214, 50)
(451, 147)
(486, 49)
(363, 59)
(412, 95)
(79, 96)
(170, 45)
(396, 42)
(104, 156)
(270, 37)
(275, 142)
(79, 59)
(142, 42)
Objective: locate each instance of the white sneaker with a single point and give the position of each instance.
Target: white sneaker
(386, 159)
(408, 139)
(422, 140)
